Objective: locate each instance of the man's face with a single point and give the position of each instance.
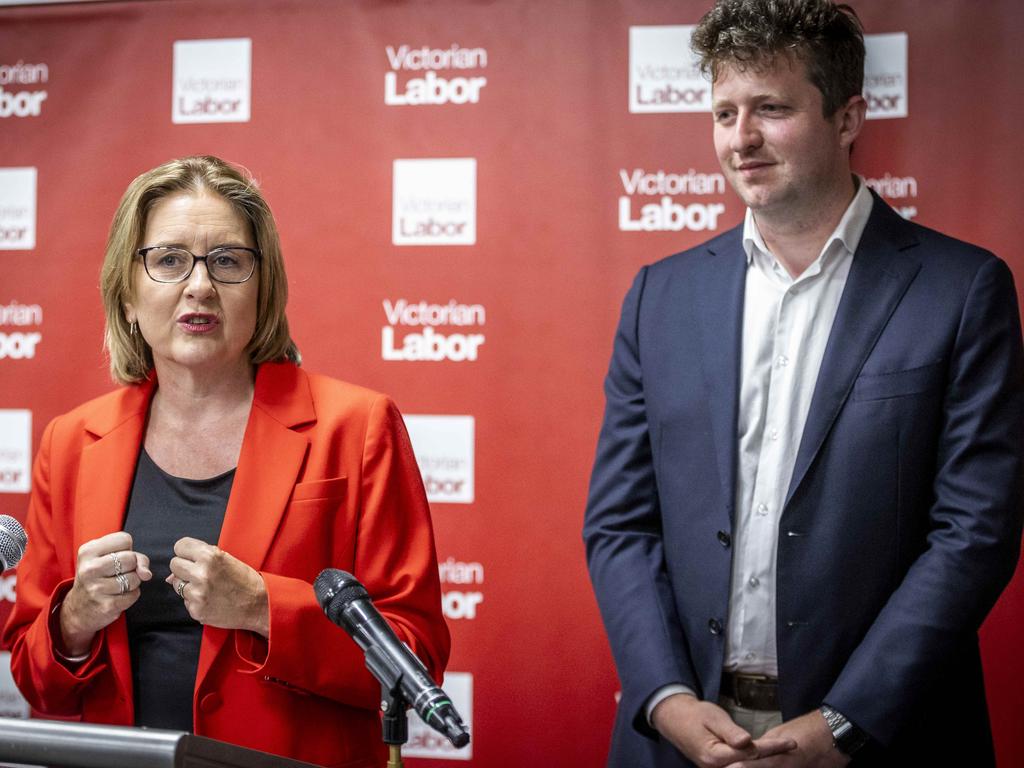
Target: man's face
(777, 150)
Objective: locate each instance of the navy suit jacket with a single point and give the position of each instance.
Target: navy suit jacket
(902, 522)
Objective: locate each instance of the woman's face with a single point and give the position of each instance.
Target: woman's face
(196, 324)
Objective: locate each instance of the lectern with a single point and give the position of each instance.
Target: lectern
(77, 745)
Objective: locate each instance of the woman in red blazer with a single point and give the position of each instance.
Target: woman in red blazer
(217, 431)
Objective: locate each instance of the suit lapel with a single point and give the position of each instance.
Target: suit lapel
(269, 464)
(879, 276)
(718, 302)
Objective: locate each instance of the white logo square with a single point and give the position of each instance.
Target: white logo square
(444, 448)
(885, 75)
(212, 81)
(12, 703)
(424, 741)
(664, 74)
(17, 209)
(434, 201)
(15, 451)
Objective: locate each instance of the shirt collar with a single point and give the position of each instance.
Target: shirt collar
(848, 231)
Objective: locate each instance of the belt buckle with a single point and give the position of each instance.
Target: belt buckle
(758, 692)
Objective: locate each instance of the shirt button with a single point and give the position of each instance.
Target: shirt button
(762, 509)
(724, 539)
(714, 626)
(774, 434)
(750, 656)
(754, 582)
(782, 361)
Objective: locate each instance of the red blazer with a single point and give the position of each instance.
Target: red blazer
(326, 478)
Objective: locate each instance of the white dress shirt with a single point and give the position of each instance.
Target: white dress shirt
(786, 325)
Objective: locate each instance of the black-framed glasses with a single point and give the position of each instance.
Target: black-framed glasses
(173, 264)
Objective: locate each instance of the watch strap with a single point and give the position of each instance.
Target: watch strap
(846, 736)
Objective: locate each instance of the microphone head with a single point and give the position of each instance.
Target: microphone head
(13, 541)
(335, 590)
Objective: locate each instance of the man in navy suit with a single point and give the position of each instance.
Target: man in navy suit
(807, 489)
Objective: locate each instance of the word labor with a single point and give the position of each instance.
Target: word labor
(18, 346)
(884, 103)
(8, 587)
(460, 605)
(668, 216)
(22, 103)
(430, 345)
(672, 95)
(431, 89)
(12, 234)
(427, 739)
(209, 106)
(440, 487)
(431, 228)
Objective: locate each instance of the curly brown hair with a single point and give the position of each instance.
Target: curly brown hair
(826, 36)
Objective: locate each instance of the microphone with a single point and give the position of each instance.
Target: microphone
(347, 603)
(13, 541)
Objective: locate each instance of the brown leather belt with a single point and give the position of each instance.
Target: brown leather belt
(758, 692)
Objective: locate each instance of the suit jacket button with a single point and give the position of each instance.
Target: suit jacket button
(724, 539)
(210, 702)
(714, 626)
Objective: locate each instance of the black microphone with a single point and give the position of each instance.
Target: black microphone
(13, 541)
(347, 603)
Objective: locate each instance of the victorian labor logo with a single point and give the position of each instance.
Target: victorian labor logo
(423, 76)
(212, 81)
(15, 450)
(17, 209)
(885, 75)
(22, 91)
(669, 201)
(444, 448)
(422, 331)
(664, 74)
(434, 201)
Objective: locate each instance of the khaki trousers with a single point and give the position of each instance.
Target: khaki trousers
(754, 721)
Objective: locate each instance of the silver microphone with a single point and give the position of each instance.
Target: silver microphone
(13, 541)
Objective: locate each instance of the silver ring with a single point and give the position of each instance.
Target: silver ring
(123, 581)
(118, 570)
(181, 589)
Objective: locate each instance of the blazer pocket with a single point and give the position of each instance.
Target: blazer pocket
(330, 488)
(912, 381)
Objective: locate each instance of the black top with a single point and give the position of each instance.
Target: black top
(163, 638)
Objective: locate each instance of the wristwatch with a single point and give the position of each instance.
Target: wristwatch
(848, 738)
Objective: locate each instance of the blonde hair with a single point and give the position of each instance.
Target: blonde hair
(131, 359)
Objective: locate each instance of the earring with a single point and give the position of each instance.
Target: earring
(132, 328)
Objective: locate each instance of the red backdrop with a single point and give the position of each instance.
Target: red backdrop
(535, 237)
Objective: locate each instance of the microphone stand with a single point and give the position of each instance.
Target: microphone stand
(395, 722)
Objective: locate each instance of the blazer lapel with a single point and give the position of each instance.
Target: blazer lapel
(269, 464)
(879, 276)
(718, 303)
(101, 496)
(108, 465)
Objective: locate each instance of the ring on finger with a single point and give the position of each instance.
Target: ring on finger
(123, 581)
(118, 570)
(181, 589)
